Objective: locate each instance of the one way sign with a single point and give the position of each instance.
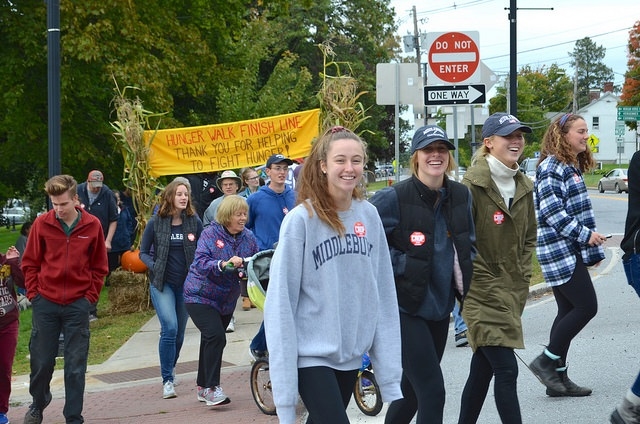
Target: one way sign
(454, 95)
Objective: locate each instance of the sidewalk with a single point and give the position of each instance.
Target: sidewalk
(127, 387)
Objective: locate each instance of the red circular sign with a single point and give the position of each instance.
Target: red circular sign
(453, 57)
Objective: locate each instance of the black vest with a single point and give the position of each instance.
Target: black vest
(416, 216)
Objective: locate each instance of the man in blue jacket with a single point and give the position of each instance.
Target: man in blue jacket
(267, 208)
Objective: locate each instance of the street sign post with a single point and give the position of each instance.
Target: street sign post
(620, 128)
(628, 113)
(593, 142)
(454, 58)
(454, 95)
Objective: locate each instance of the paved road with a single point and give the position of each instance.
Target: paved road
(605, 356)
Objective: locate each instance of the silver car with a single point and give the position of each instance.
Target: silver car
(616, 180)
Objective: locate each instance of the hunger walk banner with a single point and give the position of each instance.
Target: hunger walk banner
(233, 145)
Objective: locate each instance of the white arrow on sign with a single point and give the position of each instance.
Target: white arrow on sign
(454, 95)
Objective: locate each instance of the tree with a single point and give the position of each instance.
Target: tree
(360, 39)
(540, 91)
(200, 61)
(631, 88)
(591, 72)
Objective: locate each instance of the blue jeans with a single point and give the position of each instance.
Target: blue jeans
(259, 341)
(48, 320)
(173, 316)
(632, 269)
(458, 323)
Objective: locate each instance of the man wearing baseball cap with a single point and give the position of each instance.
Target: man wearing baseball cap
(267, 208)
(98, 199)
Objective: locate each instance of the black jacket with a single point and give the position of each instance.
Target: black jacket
(405, 212)
(631, 242)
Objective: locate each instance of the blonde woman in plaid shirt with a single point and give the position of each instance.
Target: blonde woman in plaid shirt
(568, 243)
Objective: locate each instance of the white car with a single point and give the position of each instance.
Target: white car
(615, 180)
(16, 211)
(528, 167)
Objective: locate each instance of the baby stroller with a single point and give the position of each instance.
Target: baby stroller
(257, 281)
(258, 276)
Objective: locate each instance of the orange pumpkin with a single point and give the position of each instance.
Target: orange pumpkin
(130, 260)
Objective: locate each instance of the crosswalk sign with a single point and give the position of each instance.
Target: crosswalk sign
(593, 143)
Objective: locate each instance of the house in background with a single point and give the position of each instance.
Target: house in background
(601, 116)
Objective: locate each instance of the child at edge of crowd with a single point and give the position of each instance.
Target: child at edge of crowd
(10, 276)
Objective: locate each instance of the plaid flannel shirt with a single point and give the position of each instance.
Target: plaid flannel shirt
(565, 221)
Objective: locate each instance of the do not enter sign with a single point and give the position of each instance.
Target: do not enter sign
(454, 58)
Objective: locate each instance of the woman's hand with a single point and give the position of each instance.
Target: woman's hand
(12, 252)
(597, 239)
(236, 261)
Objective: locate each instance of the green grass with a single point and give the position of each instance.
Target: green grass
(107, 333)
(8, 238)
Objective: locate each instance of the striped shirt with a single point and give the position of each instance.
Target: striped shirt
(565, 221)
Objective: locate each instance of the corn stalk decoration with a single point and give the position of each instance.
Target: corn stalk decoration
(338, 96)
(132, 120)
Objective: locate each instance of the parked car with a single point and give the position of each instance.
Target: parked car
(16, 211)
(384, 171)
(459, 173)
(528, 167)
(616, 180)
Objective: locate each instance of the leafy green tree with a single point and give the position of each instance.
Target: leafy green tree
(631, 88)
(540, 91)
(360, 39)
(591, 72)
(200, 61)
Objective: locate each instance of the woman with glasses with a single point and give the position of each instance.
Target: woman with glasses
(251, 181)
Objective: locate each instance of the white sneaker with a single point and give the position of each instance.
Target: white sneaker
(215, 396)
(232, 325)
(175, 378)
(200, 392)
(168, 391)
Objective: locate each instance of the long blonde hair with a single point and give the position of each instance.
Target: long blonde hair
(313, 185)
(554, 142)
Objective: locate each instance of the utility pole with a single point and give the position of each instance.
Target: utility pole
(416, 40)
(575, 90)
(513, 59)
(513, 54)
(53, 93)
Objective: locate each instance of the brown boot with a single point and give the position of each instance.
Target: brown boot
(544, 368)
(246, 303)
(573, 389)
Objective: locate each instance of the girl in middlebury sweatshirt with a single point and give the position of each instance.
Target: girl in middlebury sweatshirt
(331, 294)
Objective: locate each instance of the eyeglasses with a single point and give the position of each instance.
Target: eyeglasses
(253, 178)
(279, 168)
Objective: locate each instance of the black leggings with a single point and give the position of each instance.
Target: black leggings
(485, 362)
(577, 305)
(423, 344)
(326, 393)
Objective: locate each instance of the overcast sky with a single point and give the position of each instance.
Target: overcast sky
(543, 36)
